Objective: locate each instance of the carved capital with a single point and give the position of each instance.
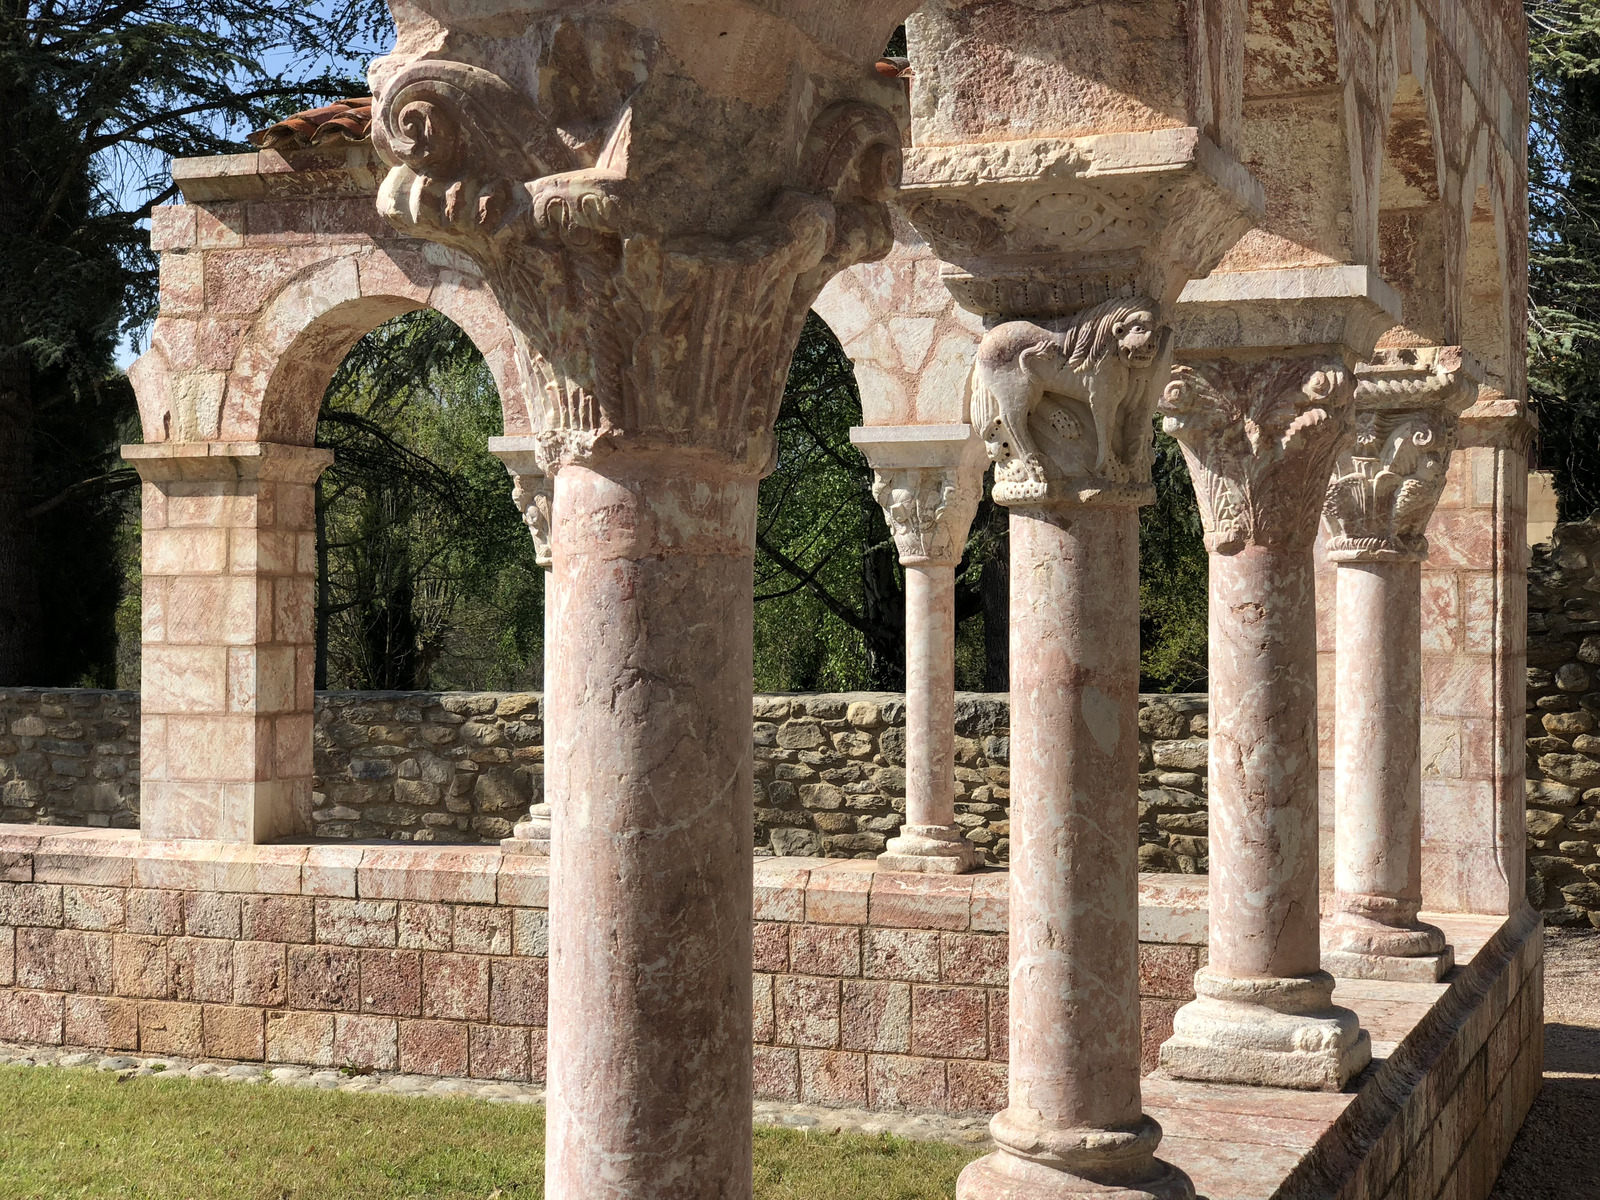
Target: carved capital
(1064, 411)
(1387, 481)
(655, 248)
(532, 489)
(1260, 436)
(929, 510)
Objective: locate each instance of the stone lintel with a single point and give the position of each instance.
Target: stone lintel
(1498, 420)
(519, 453)
(163, 462)
(1339, 306)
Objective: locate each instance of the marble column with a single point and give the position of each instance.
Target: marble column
(929, 479)
(656, 220)
(1260, 431)
(229, 638)
(1385, 486)
(533, 492)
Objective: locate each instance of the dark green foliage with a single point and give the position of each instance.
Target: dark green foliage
(1564, 247)
(1173, 580)
(97, 97)
(427, 575)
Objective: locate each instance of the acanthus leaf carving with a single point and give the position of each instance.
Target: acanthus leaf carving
(1387, 482)
(1259, 436)
(929, 510)
(1065, 412)
(638, 333)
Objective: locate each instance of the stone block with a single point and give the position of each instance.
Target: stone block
(974, 958)
(524, 881)
(906, 954)
(391, 982)
(368, 923)
(949, 1022)
(777, 1073)
(921, 901)
(169, 1028)
(324, 977)
(158, 913)
(825, 950)
(1155, 1027)
(31, 1017)
(836, 896)
(530, 933)
(771, 946)
(102, 1022)
(64, 960)
(833, 1077)
(8, 956)
(366, 1042)
(141, 967)
(455, 986)
(231, 1032)
(975, 1087)
(426, 926)
(898, 1081)
(436, 876)
(1167, 972)
(31, 904)
(96, 908)
(780, 890)
(518, 991)
(260, 973)
(991, 902)
(331, 871)
(761, 1012)
(806, 1011)
(497, 1052)
(433, 1048)
(212, 914)
(875, 1016)
(278, 919)
(202, 969)
(482, 930)
(301, 1037)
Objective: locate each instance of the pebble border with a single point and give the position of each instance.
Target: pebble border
(806, 1118)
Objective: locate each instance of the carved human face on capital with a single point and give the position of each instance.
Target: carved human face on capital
(1139, 339)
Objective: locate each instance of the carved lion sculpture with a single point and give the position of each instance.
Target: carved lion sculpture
(1102, 358)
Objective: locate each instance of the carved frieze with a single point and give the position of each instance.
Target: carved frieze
(1388, 480)
(1259, 435)
(1064, 412)
(643, 327)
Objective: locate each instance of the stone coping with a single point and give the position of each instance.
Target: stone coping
(831, 891)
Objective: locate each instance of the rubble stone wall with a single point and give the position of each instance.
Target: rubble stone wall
(461, 767)
(1564, 726)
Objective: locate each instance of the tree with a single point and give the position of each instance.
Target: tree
(426, 573)
(98, 96)
(1564, 245)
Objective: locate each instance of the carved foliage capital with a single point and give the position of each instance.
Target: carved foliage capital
(929, 510)
(640, 332)
(534, 496)
(1259, 436)
(1387, 481)
(1064, 411)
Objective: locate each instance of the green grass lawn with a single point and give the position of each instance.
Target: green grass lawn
(84, 1134)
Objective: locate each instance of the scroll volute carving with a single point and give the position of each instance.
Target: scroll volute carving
(1259, 436)
(1065, 412)
(1387, 481)
(639, 332)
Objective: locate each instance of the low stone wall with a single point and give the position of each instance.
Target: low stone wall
(461, 767)
(69, 757)
(1564, 726)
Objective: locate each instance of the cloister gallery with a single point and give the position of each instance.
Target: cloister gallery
(1293, 230)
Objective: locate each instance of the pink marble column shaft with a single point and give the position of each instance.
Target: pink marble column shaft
(1378, 768)
(650, 905)
(1074, 1125)
(930, 695)
(1263, 773)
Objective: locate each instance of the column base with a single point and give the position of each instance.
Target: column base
(1266, 1032)
(930, 849)
(531, 835)
(1103, 1164)
(1415, 968)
